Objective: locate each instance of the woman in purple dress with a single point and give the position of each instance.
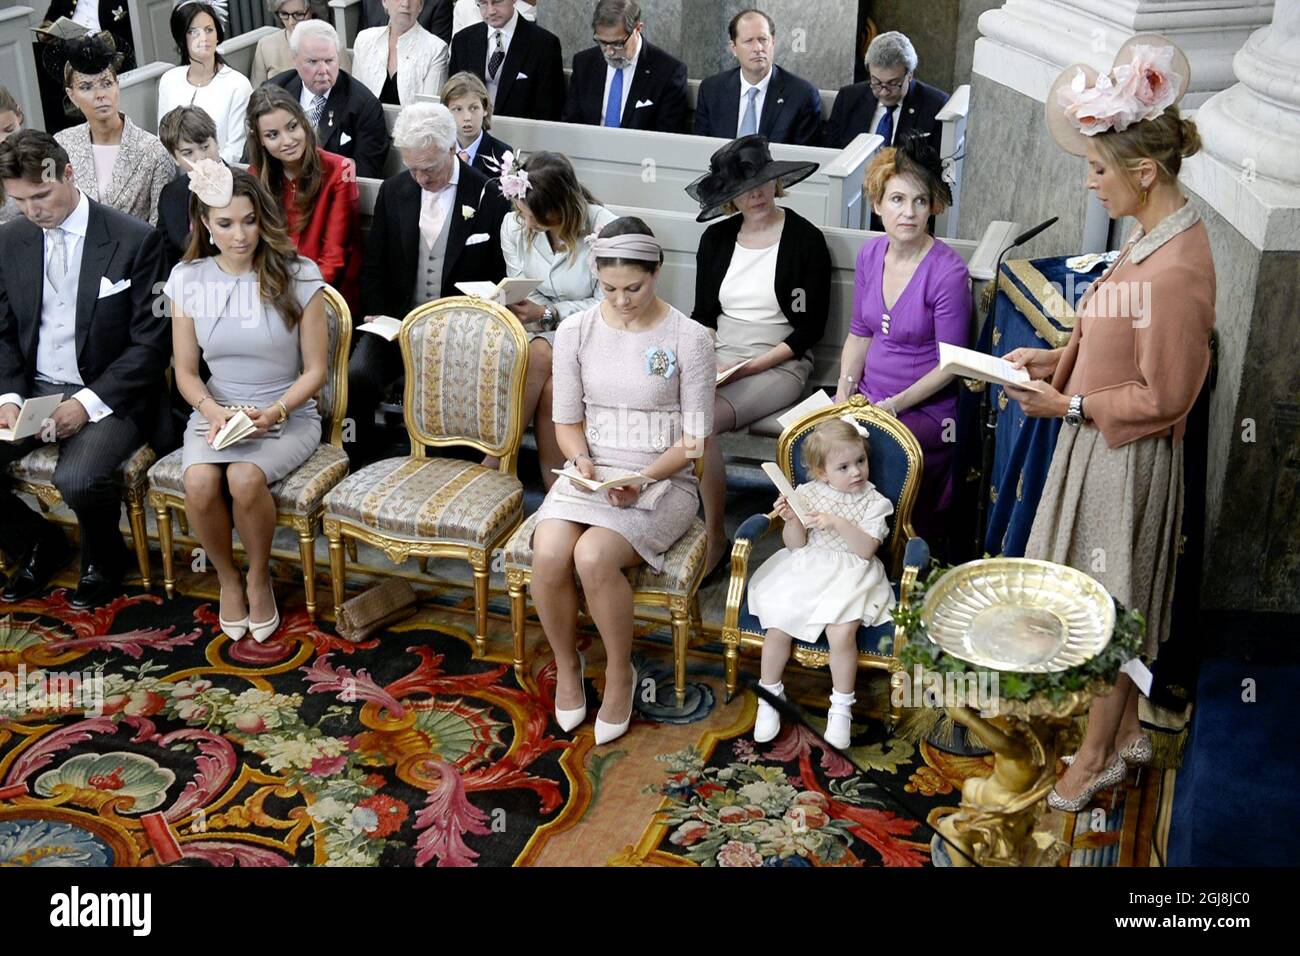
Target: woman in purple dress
(912, 293)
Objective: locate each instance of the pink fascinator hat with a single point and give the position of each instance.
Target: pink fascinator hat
(1149, 74)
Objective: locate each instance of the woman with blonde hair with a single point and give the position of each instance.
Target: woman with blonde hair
(1128, 377)
(317, 190)
(245, 302)
(401, 60)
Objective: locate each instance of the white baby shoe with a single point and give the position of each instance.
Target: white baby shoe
(839, 719)
(768, 722)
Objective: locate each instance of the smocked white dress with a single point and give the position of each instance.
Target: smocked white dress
(800, 591)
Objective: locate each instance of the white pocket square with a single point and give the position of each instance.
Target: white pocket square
(107, 288)
(344, 139)
(478, 237)
(521, 76)
(641, 103)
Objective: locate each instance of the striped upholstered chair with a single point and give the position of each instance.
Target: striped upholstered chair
(894, 459)
(299, 495)
(465, 361)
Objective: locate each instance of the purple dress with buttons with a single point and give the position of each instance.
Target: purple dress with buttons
(634, 393)
(934, 307)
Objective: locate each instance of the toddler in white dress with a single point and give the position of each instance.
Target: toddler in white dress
(827, 577)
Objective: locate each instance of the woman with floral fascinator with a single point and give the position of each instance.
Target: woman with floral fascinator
(245, 302)
(1129, 375)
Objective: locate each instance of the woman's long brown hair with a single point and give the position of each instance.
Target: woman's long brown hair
(557, 200)
(267, 99)
(275, 257)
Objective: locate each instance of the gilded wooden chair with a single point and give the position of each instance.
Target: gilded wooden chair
(465, 361)
(676, 588)
(299, 496)
(34, 474)
(894, 458)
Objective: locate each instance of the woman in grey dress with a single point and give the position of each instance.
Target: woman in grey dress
(633, 384)
(244, 301)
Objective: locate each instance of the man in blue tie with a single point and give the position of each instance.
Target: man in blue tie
(758, 96)
(625, 81)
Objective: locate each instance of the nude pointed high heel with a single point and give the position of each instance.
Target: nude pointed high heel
(568, 719)
(264, 631)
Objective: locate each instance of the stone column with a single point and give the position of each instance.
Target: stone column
(1023, 46)
(1246, 182)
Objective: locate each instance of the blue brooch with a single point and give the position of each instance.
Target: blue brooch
(660, 361)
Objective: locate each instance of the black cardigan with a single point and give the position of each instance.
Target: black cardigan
(803, 277)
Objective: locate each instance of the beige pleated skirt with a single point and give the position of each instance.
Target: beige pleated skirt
(1115, 514)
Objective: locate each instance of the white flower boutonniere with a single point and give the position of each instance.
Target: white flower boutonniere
(119, 14)
(468, 212)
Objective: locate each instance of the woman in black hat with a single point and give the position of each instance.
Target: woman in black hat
(762, 282)
(115, 161)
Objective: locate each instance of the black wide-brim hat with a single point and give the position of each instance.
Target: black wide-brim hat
(735, 169)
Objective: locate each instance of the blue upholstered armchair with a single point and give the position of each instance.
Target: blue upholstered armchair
(895, 462)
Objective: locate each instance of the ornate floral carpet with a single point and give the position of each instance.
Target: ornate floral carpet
(406, 750)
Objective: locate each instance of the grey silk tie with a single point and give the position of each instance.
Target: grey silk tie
(57, 268)
(749, 125)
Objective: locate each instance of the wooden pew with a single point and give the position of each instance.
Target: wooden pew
(953, 118)
(654, 168)
(151, 30)
(680, 235)
(238, 51)
(18, 64)
(139, 94)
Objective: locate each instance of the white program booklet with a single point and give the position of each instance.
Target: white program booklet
(726, 373)
(814, 402)
(32, 415)
(967, 363)
(797, 504)
(384, 326)
(506, 292)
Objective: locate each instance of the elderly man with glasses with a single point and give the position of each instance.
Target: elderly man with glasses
(890, 102)
(625, 80)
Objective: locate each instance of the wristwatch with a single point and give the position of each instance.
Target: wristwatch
(1074, 414)
(549, 319)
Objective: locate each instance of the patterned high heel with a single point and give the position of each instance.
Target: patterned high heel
(1109, 777)
(1136, 754)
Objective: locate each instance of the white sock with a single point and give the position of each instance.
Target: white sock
(776, 690)
(837, 698)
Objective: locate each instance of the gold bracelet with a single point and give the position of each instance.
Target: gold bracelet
(202, 400)
(284, 409)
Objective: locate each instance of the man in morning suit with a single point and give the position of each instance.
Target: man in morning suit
(435, 224)
(77, 317)
(891, 102)
(349, 119)
(625, 80)
(758, 96)
(435, 16)
(520, 62)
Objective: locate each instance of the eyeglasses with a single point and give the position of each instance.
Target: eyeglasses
(294, 17)
(893, 86)
(612, 45)
(107, 83)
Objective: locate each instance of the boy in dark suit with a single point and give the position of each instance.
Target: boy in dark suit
(467, 98)
(625, 80)
(520, 63)
(77, 318)
(758, 96)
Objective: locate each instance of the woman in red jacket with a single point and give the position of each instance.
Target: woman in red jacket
(318, 190)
